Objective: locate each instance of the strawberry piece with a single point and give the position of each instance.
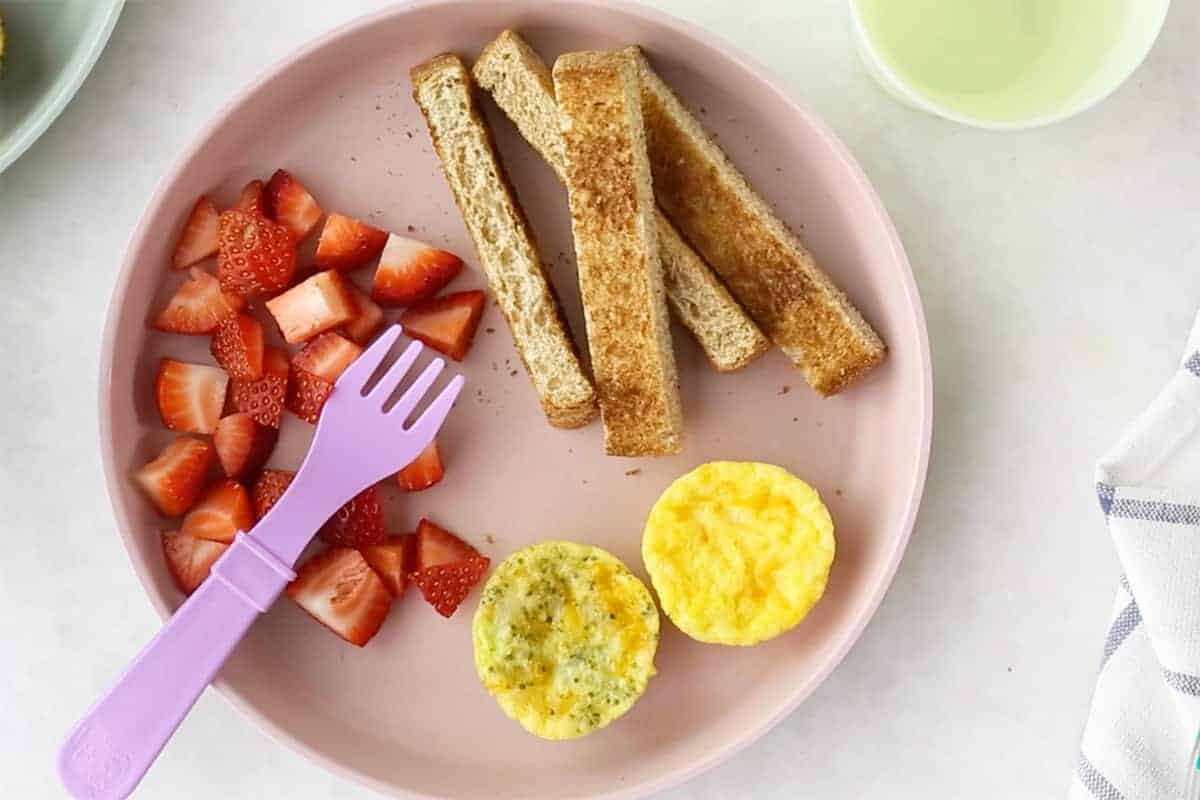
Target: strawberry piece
(306, 395)
(263, 399)
(357, 523)
(290, 204)
(255, 256)
(392, 561)
(174, 479)
(314, 371)
(242, 444)
(199, 306)
(190, 396)
(341, 591)
(267, 490)
(189, 560)
(199, 238)
(369, 318)
(327, 356)
(237, 345)
(251, 199)
(314, 306)
(423, 472)
(411, 271)
(445, 586)
(447, 323)
(436, 546)
(347, 243)
(222, 511)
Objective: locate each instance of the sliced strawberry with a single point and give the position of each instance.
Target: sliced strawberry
(251, 199)
(306, 395)
(263, 399)
(445, 586)
(357, 523)
(189, 560)
(447, 323)
(173, 480)
(369, 318)
(242, 444)
(199, 238)
(423, 472)
(255, 256)
(237, 345)
(327, 356)
(199, 306)
(346, 243)
(411, 271)
(341, 591)
(267, 490)
(314, 306)
(314, 371)
(190, 396)
(436, 545)
(392, 561)
(223, 510)
(290, 204)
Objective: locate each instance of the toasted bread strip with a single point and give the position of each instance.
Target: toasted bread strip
(463, 142)
(616, 249)
(520, 83)
(762, 262)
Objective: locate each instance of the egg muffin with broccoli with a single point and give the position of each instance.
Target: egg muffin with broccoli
(565, 637)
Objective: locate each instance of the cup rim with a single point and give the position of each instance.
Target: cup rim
(908, 94)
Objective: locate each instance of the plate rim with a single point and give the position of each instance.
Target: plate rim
(51, 107)
(114, 478)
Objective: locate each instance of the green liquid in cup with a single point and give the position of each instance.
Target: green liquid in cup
(995, 60)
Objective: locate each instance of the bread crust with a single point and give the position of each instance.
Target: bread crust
(443, 89)
(616, 250)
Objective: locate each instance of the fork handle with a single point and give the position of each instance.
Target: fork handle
(109, 750)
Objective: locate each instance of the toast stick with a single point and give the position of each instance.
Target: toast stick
(520, 83)
(616, 249)
(442, 88)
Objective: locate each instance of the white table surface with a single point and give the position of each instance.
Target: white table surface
(1060, 271)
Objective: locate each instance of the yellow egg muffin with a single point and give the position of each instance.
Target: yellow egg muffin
(738, 552)
(565, 637)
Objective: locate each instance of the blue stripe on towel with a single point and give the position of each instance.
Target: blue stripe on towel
(1192, 364)
(1125, 623)
(1096, 783)
(1154, 511)
(1182, 682)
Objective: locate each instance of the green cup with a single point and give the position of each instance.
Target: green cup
(1005, 64)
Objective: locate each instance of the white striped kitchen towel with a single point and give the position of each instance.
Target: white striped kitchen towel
(1139, 738)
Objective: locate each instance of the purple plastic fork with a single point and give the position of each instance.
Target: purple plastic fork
(356, 444)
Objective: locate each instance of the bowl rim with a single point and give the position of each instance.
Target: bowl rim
(49, 109)
(850, 634)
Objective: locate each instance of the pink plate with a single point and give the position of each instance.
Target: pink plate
(406, 714)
